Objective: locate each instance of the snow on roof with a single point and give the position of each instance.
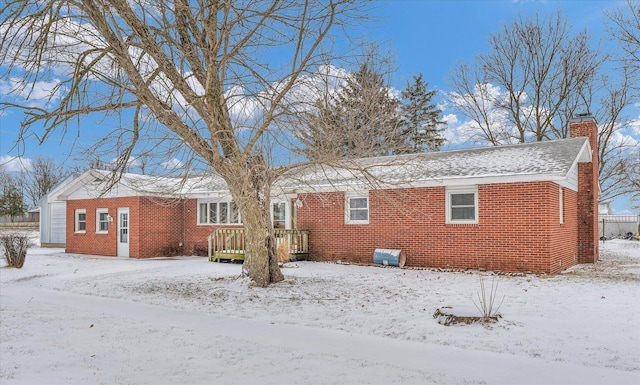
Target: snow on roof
(530, 161)
(95, 183)
(174, 186)
(549, 160)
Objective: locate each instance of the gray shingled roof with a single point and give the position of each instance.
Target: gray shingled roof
(550, 160)
(539, 160)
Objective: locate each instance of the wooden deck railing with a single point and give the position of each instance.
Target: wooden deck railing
(228, 243)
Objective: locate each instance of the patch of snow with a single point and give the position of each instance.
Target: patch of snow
(69, 319)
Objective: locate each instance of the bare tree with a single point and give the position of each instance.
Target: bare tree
(625, 28)
(479, 101)
(612, 100)
(623, 170)
(213, 76)
(38, 180)
(535, 78)
(534, 73)
(632, 173)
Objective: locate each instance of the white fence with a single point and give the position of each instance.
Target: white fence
(613, 226)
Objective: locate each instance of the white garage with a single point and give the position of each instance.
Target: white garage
(53, 217)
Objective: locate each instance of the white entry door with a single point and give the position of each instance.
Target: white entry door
(123, 232)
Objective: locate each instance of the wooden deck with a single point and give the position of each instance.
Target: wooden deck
(228, 244)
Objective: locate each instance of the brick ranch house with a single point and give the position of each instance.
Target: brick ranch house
(529, 207)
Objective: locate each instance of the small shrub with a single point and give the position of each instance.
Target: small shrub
(487, 305)
(172, 251)
(201, 251)
(15, 248)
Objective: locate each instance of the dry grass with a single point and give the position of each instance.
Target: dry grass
(282, 251)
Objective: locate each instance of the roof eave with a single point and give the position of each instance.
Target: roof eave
(559, 178)
(63, 193)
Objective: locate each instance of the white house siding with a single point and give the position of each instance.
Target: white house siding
(57, 223)
(53, 217)
(90, 191)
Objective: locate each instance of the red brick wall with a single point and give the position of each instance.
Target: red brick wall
(161, 226)
(588, 190)
(153, 226)
(563, 245)
(518, 228)
(196, 235)
(90, 242)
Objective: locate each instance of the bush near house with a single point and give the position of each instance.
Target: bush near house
(14, 246)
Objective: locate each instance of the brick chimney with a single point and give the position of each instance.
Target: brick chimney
(584, 125)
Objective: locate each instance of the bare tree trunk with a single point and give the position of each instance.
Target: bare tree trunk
(261, 261)
(249, 182)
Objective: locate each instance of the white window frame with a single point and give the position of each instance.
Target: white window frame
(217, 203)
(285, 219)
(348, 209)
(98, 221)
(561, 204)
(461, 190)
(78, 212)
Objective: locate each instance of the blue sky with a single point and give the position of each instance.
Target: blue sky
(432, 36)
(427, 37)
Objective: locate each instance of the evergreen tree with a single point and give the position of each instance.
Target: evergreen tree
(361, 119)
(421, 118)
(12, 203)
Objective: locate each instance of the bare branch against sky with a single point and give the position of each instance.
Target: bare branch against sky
(177, 78)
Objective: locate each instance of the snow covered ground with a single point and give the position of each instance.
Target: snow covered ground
(69, 319)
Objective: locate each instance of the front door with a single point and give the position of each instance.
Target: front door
(123, 232)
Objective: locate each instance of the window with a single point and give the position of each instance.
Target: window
(218, 213)
(123, 228)
(102, 221)
(223, 211)
(561, 208)
(81, 221)
(357, 209)
(462, 205)
(234, 213)
(279, 215)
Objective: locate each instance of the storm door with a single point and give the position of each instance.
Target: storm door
(123, 232)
